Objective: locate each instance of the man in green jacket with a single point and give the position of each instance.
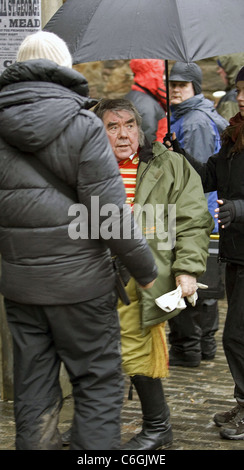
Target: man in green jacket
(166, 196)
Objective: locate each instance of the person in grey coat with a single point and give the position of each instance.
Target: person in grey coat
(56, 241)
(198, 127)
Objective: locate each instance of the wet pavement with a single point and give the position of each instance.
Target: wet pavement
(194, 395)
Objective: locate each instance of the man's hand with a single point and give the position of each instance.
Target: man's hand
(188, 284)
(226, 212)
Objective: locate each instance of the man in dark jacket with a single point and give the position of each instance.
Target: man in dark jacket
(198, 127)
(57, 276)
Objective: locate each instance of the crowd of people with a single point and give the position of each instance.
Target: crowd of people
(101, 225)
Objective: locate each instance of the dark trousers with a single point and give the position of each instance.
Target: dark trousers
(85, 337)
(192, 331)
(233, 336)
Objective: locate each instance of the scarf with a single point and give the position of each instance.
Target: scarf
(235, 133)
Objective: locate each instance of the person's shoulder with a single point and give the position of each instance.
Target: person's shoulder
(175, 165)
(198, 113)
(163, 154)
(90, 118)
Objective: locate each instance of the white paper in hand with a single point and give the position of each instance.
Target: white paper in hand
(172, 300)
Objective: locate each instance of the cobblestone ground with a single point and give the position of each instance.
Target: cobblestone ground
(194, 395)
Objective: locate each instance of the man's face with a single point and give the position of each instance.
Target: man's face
(123, 133)
(240, 96)
(180, 91)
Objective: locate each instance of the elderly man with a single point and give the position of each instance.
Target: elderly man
(159, 185)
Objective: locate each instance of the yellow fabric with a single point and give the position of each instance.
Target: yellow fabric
(159, 358)
(144, 352)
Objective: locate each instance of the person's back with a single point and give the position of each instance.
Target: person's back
(46, 143)
(149, 96)
(56, 241)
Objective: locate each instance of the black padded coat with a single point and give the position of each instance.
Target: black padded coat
(54, 153)
(223, 172)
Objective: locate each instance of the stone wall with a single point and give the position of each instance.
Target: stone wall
(112, 79)
(49, 8)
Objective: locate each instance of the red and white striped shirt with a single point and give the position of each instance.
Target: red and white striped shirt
(128, 171)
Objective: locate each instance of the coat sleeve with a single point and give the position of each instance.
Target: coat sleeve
(101, 191)
(194, 224)
(239, 207)
(206, 171)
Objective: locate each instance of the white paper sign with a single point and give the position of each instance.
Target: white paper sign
(18, 18)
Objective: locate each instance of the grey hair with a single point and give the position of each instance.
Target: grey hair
(119, 104)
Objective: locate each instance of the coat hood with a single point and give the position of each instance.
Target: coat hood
(182, 72)
(27, 98)
(149, 73)
(231, 65)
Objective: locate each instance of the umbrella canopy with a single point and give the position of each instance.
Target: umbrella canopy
(182, 30)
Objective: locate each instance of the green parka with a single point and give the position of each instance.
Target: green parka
(168, 186)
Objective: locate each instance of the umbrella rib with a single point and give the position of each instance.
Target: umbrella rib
(83, 31)
(181, 28)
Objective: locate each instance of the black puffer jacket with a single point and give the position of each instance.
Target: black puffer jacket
(224, 172)
(44, 118)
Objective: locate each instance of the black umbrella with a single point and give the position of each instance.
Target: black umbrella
(182, 30)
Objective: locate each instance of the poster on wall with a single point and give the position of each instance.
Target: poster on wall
(18, 18)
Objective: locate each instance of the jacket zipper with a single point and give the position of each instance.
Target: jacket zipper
(146, 169)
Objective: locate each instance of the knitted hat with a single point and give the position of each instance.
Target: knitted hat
(44, 45)
(183, 72)
(240, 75)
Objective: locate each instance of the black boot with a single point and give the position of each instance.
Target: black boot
(156, 429)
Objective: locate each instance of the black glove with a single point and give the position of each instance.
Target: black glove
(169, 142)
(177, 148)
(227, 212)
